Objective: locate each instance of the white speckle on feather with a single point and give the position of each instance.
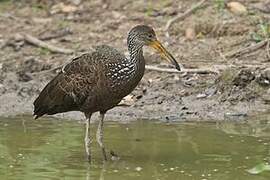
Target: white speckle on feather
(74, 96)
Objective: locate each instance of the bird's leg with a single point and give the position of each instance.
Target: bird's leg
(99, 135)
(87, 140)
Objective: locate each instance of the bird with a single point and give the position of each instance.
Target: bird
(97, 81)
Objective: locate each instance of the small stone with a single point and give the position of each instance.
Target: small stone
(266, 73)
(138, 168)
(190, 33)
(237, 8)
(200, 96)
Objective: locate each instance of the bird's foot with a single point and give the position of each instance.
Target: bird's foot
(114, 156)
(88, 142)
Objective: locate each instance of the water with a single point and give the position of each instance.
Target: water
(53, 149)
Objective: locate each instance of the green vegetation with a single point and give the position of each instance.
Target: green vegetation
(44, 51)
(149, 11)
(220, 4)
(262, 33)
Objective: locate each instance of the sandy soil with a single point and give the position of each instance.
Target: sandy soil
(240, 88)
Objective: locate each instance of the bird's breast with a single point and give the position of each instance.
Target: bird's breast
(122, 79)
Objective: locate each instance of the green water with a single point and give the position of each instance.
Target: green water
(53, 149)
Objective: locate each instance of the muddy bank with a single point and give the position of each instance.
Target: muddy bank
(234, 94)
(240, 88)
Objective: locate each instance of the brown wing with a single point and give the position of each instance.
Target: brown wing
(70, 88)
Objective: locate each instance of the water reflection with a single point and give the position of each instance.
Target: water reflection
(258, 126)
(53, 149)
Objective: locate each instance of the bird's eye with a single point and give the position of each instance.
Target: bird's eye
(150, 36)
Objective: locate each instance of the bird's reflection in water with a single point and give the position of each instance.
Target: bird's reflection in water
(101, 174)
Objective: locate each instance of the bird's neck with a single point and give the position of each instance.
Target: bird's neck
(136, 56)
(127, 75)
(138, 64)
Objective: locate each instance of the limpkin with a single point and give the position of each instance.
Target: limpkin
(98, 81)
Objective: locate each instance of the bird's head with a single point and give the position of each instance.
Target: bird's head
(143, 35)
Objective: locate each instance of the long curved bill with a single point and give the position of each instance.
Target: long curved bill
(158, 46)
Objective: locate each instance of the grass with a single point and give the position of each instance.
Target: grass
(220, 4)
(262, 33)
(44, 51)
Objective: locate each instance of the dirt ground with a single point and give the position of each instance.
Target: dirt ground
(209, 38)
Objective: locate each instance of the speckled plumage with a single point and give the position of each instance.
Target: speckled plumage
(93, 82)
(98, 81)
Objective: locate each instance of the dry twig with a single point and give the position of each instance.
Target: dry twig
(35, 41)
(184, 15)
(55, 35)
(246, 50)
(267, 49)
(170, 70)
(47, 71)
(150, 68)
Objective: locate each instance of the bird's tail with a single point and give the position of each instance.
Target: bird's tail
(40, 107)
(53, 99)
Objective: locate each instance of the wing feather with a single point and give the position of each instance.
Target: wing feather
(69, 89)
(77, 83)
